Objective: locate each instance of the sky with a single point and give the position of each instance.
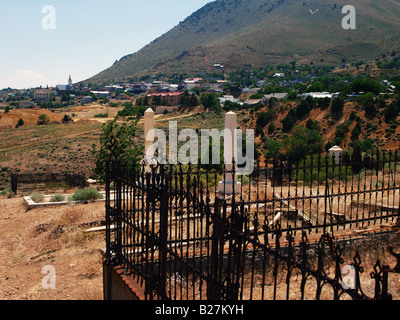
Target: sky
(43, 42)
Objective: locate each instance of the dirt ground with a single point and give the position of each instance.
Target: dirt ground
(54, 238)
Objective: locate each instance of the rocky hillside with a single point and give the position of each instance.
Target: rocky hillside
(254, 33)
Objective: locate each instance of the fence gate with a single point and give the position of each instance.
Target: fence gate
(227, 263)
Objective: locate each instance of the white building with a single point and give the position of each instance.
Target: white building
(318, 95)
(228, 98)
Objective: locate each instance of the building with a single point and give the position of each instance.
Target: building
(317, 95)
(41, 95)
(279, 96)
(63, 88)
(87, 99)
(101, 94)
(228, 98)
(168, 98)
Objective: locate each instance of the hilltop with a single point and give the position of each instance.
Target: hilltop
(247, 34)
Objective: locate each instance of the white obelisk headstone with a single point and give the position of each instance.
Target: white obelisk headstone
(149, 137)
(230, 184)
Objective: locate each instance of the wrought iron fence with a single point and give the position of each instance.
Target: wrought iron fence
(182, 237)
(26, 181)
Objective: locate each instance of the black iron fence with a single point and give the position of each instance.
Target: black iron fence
(28, 181)
(275, 236)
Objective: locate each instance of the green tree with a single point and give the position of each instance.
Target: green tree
(303, 109)
(274, 149)
(271, 128)
(316, 87)
(118, 145)
(43, 120)
(263, 118)
(392, 111)
(303, 141)
(20, 123)
(355, 133)
(211, 101)
(289, 121)
(66, 119)
(366, 85)
(193, 100)
(370, 110)
(337, 107)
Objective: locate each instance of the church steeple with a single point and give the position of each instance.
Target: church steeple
(70, 81)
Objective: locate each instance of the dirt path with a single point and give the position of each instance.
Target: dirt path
(53, 237)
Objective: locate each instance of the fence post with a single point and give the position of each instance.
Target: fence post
(163, 234)
(14, 182)
(118, 213)
(213, 284)
(108, 213)
(385, 280)
(106, 266)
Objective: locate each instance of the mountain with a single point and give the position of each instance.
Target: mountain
(242, 34)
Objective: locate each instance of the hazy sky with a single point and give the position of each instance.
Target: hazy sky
(89, 36)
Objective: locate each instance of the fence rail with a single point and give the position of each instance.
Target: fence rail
(24, 180)
(182, 238)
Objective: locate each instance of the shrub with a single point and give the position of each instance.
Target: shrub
(370, 110)
(7, 192)
(20, 123)
(337, 107)
(89, 194)
(303, 109)
(289, 121)
(37, 197)
(101, 115)
(43, 120)
(263, 118)
(57, 198)
(391, 112)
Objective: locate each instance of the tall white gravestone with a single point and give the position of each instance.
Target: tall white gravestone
(230, 184)
(149, 138)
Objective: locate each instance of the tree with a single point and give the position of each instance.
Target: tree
(274, 149)
(271, 128)
(289, 121)
(193, 100)
(316, 87)
(370, 110)
(43, 120)
(324, 103)
(66, 119)
(210, 101)
(391, 112)
(355, 133)
(118, 145)
(20, 123)
(313, 124)
(337, 107)
(263, 118)
(367, 145)
(303, 141)
(366, 85)
(303, 109)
